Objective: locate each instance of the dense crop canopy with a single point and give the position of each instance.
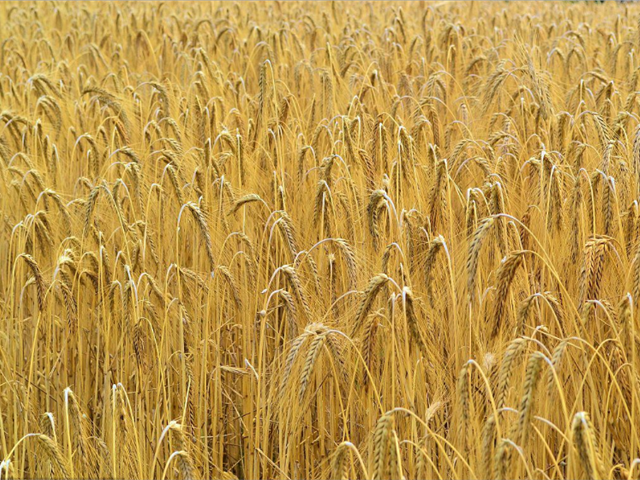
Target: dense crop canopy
(319, 240)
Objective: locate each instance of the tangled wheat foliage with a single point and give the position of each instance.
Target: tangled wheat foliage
(287, 240)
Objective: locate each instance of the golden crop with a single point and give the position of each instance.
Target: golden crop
(319, 240)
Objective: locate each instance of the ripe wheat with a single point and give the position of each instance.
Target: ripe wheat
(319, 240)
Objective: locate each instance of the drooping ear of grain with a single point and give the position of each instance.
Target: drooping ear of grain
(369, 296)
(51, 450)
(386, 464)
(505, 276)
(340, 462)
(532, 376)
(474, 252)
(591, 276)
(511, 355)
(585, 442)
(184, 459)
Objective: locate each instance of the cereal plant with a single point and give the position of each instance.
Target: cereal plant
(313, 240)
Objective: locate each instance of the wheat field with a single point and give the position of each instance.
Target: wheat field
(320, 240)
